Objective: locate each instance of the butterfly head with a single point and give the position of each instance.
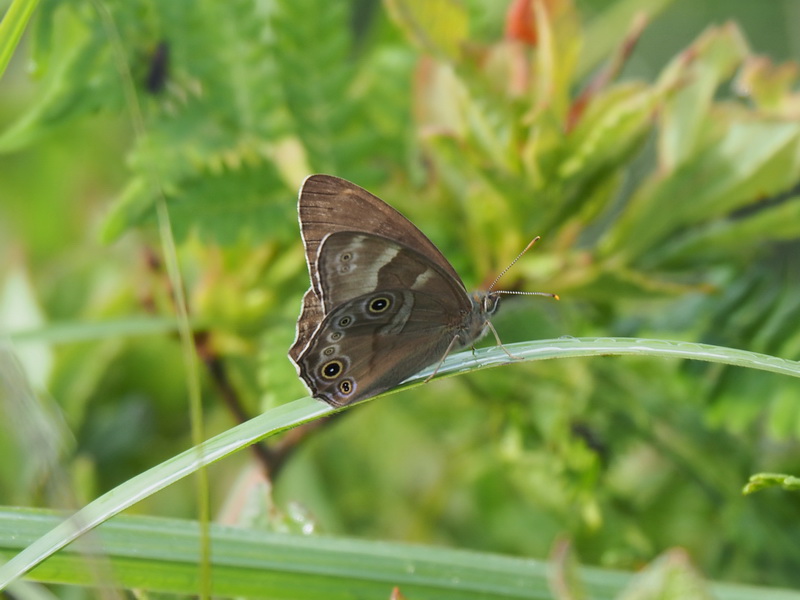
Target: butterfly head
(488, 302)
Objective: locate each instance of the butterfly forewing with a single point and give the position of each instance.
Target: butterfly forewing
(329, 204)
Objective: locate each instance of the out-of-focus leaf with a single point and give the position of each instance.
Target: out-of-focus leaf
(31, 429)
(748, 162)
(20, 310)
(771, 86)
(60, 101)
(438, 27)
(732, 237)
(609, 133)
(559, 46)
(670, 577)
(12, 27)
(762, 481)
(697, 72)
(601, 33)
(565, 581)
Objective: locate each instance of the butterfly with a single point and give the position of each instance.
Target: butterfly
(384, 303)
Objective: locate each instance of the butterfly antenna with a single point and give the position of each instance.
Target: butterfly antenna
(548, 294)
(513, 262)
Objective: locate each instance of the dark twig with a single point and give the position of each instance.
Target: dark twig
(271, 458)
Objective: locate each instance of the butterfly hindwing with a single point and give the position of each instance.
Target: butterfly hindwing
(371, 343)
(311, 314)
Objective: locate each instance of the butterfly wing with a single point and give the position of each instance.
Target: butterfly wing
(329, 204)
(310, 316)
(370, 343)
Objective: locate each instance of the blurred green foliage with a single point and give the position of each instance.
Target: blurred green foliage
(667, 205)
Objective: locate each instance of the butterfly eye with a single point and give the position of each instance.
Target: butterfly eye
(379, 304)
(345, 321)
(332, 369)
(345, 256)
(491, 303)
(346, 387)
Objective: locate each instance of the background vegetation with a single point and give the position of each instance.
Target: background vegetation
(659, 161)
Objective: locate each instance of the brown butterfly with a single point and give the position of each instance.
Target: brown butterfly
(384, 303)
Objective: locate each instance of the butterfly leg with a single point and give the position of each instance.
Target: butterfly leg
(499, 343)
(450, 347)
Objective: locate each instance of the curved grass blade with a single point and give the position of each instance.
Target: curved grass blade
(300, 411)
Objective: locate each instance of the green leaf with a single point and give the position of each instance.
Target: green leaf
(669, 577)
(12, 27)
(748, 161)
(438, 27)
(762, 481)
(697, 73)
(601, 33)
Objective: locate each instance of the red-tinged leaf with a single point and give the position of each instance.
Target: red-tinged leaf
(608, 73)
(520, 22)
(396, 594)
(521, 18)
